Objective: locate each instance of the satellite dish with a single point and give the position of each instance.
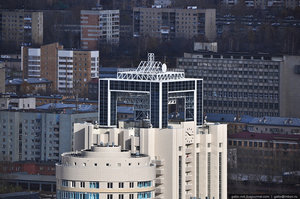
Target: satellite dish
(164, 68)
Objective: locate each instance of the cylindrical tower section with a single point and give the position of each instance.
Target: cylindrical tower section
(105, 172)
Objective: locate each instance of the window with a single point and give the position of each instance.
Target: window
(110, 185)
(131, 196)
(64, 183)
(121, 196)
(109, 196)
(94, 185)
(131, 184)
(73, 184)
(144, 184)
(121, 185)
(82, 184)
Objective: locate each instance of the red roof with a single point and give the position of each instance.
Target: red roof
(263, 136)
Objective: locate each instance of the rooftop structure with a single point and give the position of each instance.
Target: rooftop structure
(155, 93)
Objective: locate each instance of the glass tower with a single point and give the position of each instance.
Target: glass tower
(157, 94)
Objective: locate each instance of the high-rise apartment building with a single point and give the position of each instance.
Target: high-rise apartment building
(256, 85)
(22, 27)
(105, 172)
(67, 69)
(38, 135)
(190, 161)
(159, 95)
(99, 26)
(170, 23)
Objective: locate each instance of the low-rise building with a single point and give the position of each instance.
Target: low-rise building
(28, 86)
(262, 158)
(270, 125)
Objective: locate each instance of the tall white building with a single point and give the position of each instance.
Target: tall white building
(105, 172)
(190, 161)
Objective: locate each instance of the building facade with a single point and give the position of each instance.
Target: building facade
(246, 84)
(190, 161)
(169, 23)
(264, 4)
(159, 95)
(2, 78)
(99, 26)
(264, 159)
(107, 172)
(37, 135)
(67, 69)
(22, 27)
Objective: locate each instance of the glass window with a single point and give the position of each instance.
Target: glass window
(94, 185)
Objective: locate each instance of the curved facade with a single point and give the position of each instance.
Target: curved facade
(105, 172)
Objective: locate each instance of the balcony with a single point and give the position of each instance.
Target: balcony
(159, 162)
(188, 169)
(160, 171)
(188, 187)
(188, 178)
(189, 196)
(189, 159)
(159, 190)
(188, 150)
(159, 181)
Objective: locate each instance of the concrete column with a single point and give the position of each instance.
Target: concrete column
(28, 185)
(40, 186)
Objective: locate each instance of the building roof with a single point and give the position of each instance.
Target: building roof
(80, 107)
(263, 136)
(218, 117)
(271, 121)
(276, 121)
(18, 81)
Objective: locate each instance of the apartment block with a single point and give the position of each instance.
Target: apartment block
(105, 172)
(264, 159)
(264, 4)
(38, 135)
(67, 69)
(169, 23)
(2, 78)
(22, 27)
(243, 84)
(99, 26)
(190, 161)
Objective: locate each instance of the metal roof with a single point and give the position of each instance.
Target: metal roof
(150, 70)
(18, 81)
(272, 121)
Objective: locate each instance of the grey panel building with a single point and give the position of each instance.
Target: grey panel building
(158, 95)
(170, 23)
(36, 135)
(237, 84)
